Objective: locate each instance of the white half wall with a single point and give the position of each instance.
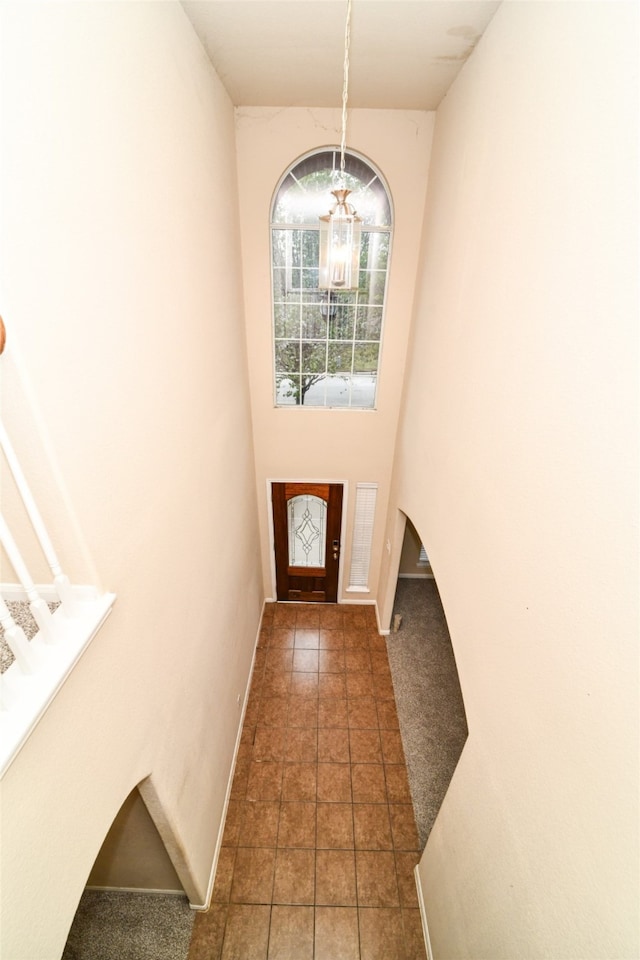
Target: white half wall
(518, 464)
(125, 387)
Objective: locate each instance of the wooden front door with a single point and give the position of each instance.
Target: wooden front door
(307, 519)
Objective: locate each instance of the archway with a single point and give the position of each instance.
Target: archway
(426, 683)
(134, 901)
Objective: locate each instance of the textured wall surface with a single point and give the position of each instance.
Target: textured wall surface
(125, 386)
(517, 463)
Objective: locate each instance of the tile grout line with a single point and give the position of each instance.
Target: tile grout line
(286, 755)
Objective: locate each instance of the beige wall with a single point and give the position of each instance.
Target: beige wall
(123, 302)
(517, 462)
(410, 565)
(302, 443)
(133, 855)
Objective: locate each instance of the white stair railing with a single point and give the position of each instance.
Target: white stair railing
(17, 642)
(42, 664)
(60, 580)
(39, 609)
(26, 663)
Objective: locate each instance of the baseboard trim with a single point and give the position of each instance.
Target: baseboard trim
(381, 631)
(148, 891)
(416, 576)
(423, 914)
(352, 601)
(214, 866)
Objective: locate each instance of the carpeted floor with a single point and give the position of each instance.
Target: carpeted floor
(428, 697)
(124, 926)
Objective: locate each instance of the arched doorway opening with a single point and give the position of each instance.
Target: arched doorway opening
(134, 902)
(429, 699)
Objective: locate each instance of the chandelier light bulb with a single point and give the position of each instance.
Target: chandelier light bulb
(340, 245)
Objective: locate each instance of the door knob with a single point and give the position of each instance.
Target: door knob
(336, 549)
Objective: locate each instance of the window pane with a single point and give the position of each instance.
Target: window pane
(340, 357)
(286, 320)
(341, 300)
(341, 322)
(287, 356)
(338, 392)
(310, 246)
(279, 247)
(293, 279)
(294, 256)
(305, 193)
(378, 281)
(303, 202)
(314, 391)
(314, 323)
(363, 391)
(279, 283)
(374, 251)
(314, 358)
(369, 323)
(287, 390)
(310, 278)
(365, 357)
(311, 389)
(372, 284)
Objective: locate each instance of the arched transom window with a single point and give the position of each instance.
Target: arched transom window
(327, 343)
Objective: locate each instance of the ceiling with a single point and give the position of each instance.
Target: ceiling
(404, 54)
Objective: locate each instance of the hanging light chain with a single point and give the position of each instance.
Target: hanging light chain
(339, 247)
(345, 89)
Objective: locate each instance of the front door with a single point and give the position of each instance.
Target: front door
(306, 531)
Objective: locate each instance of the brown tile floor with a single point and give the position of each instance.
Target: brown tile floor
(320, 840)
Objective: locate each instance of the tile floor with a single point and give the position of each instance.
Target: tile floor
(320, 840)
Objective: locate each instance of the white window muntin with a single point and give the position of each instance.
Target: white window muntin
(294, 288)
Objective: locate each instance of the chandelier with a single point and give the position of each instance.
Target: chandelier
(340, 228)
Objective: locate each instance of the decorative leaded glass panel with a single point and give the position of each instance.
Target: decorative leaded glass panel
(307, 530)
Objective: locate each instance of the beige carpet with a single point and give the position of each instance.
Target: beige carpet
(130, 926)
(428, 697)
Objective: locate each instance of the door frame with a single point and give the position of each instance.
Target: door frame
(343, 527)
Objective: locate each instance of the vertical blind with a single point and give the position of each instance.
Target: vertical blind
(362, 535)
